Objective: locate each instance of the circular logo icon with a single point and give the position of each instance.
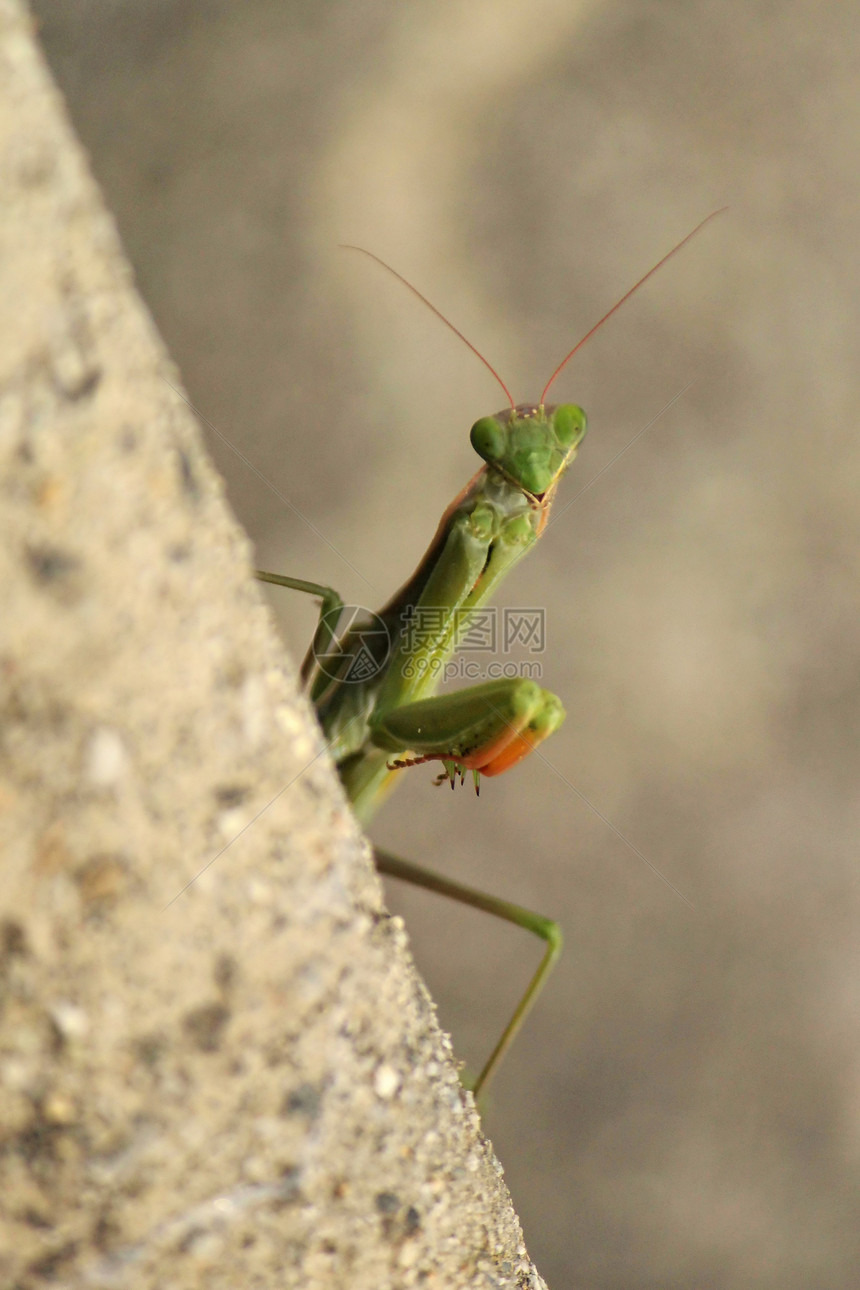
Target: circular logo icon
(358, 644)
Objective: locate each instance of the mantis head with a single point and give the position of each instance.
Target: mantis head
(531, 444)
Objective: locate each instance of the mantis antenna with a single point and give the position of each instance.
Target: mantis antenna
(579, 344)
(438, 312)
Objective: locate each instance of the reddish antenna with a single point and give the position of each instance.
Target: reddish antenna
(626, 296)
(439, 315)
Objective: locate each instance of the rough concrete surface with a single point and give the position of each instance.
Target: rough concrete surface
(217, 1065)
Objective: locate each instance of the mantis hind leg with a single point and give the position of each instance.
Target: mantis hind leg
(330, 606)
(548, 931)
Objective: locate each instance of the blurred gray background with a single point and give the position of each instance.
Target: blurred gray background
(684, 1107)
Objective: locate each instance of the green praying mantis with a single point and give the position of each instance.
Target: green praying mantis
(374, 686)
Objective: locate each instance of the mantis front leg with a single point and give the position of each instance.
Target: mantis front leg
(486, 728)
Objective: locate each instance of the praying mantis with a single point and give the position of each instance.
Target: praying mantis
(374, 686)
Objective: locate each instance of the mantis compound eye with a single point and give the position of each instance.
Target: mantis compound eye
(489, 438)
(570, 422)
